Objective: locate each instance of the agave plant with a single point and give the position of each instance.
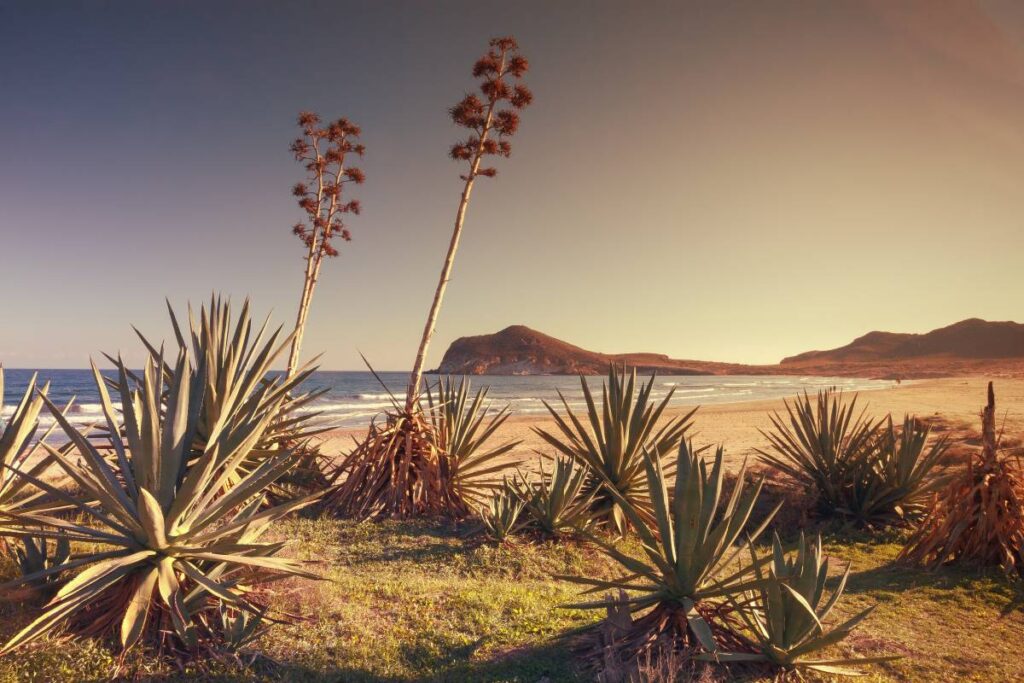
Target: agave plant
(240, 628)
(462, 426)
(823, 447)
(237, 361)
(418, 465)
(612, 443)
(172, 525)
(687, 550)
(895, 477)
(500, 516)
(786, 616)
(556, 504)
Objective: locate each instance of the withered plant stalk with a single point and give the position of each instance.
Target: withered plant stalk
(484, 119)
(323, 150)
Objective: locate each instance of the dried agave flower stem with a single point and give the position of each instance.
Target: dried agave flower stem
(412, 392)
(484, 120)
(323, 151)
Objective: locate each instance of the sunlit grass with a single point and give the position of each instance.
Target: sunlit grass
(420, 601)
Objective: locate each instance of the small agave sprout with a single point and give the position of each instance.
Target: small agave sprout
(501, 516)
(610, 441)
(676, 588)
(556, 504)
(786, 616)
(170, 529)
(241, 628)
(37, 556)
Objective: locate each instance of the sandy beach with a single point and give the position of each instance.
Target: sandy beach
(954, 403)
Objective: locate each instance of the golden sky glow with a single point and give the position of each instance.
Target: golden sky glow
(723, 181)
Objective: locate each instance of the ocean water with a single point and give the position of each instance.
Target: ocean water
(354, 398)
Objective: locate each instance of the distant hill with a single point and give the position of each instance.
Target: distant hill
(968, 347)
(519, 350)
(967, 339)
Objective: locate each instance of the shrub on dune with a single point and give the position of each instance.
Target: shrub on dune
(822, 446)
(896, 476)
(236, 369)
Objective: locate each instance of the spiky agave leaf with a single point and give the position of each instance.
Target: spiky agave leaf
(785, 615)
(686, 548)
(823, 447)
(172, 526)
(19, 446)
(896, 477)
(555, 503)
(612, 442)
(462, 426)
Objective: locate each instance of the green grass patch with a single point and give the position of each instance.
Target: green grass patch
(424, 602)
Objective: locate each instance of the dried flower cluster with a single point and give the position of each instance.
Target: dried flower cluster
(500, 70)
(323, 149)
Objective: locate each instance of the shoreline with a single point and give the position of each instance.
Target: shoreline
(953, 402)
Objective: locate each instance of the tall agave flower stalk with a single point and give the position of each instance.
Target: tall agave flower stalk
(324, 151)
(398, 470)
(489, 127)
(171, 523)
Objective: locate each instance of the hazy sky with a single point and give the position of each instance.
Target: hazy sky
(732, 181)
